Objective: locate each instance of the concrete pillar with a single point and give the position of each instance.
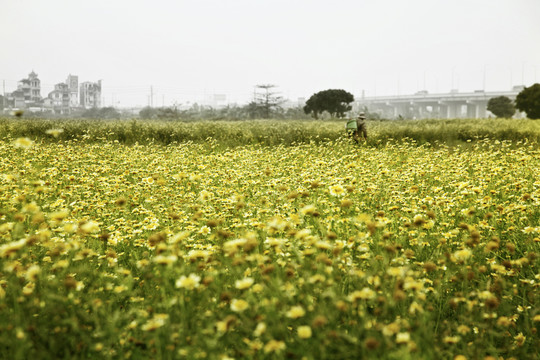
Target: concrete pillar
(442, 111)
(452, 111)
(481, 110)
(471, 110)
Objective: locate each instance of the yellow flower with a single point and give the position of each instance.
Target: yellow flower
(337, 190)
(243, 284)
(463, 329)
(364, 294)
(462, 255)
(205, 195)
(165, 259)
(222, 326)
(403, 338)
(19, 333)
(390, 329)
(24, 143)
(530, 229)
(345, 203)
(70, 227)
(90, 227)
(155, 323)
(33, 272)
(274, 346)
(54, 132)
(415, 308)
(302, 234)
(58, 216)
(28, 289)
(11, 248)
(148, 180)
(451, 339)
(30, 208)
(520, 339)
(4, 228)
(260, 329)
(205, 230)
(296, 312)
(120, 288)
(189, 283)
(396, 271)
(308, 210)
(304, 332)
(198, 254)
(257, 288)
(239, 305)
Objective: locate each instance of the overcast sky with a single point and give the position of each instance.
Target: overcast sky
(187, 50)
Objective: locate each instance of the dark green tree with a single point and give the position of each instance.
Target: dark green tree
(314, 106)
(171, 113)
(334, 101)
(528, 101)
(501, 106)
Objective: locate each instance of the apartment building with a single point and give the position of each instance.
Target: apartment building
(90, 94)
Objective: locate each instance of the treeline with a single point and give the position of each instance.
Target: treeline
(250, 111)
(196, 112)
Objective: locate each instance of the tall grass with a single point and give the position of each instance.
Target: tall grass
(269, 132)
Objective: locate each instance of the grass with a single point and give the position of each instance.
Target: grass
(269, 132)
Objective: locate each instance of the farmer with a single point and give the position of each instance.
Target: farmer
(357, 127)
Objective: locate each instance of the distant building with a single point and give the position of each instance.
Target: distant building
(218, 101)
(28, 93)
(59, 98)
(90, 94)
(31, 88)
(65, 97)
(73, 86)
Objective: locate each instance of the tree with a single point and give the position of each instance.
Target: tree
(266, 102)
(101, 113)
(528, 100)
(334, 101)
(501, 106)
(148, 112)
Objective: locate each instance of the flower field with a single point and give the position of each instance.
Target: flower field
(318, 250)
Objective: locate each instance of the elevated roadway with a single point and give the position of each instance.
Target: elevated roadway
(423, 105)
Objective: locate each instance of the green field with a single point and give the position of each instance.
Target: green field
(262, 239)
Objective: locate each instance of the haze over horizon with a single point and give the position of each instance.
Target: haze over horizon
(185, 51)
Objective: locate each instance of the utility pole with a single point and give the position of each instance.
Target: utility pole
(151, 96)
(4, 95)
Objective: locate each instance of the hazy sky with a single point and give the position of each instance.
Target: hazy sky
(188, 50)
